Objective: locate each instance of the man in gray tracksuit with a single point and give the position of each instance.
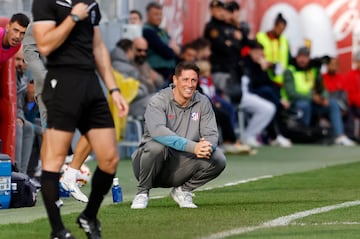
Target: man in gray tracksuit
(179, 144)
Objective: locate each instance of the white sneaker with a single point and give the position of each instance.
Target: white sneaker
(184, 199)
(74, 190)
(252, 142)
(281, 141)
(345, 141)
(140, 201)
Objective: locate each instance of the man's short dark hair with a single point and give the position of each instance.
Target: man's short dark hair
(20, 18)
(153, 5)
(200, 43)
(137, 13)
(187, 46)
(124, 44)
(186, 66)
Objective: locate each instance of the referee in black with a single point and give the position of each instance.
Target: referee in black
(68, 33)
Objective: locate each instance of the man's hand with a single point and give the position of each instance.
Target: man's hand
(121, 104)
(81, 10)
(318, 99)
(203, 149)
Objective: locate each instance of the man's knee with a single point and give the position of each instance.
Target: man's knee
(152, 149)
(219, 161)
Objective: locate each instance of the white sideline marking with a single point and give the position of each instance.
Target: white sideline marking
(225, 185)
(282, 221)
(325, 223)
(239, 182)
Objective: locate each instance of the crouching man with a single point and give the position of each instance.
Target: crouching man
(179, 144)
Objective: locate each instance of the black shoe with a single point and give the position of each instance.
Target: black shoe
(91, 227)
(63, 234)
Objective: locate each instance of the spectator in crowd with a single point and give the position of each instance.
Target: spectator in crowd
(162, 50)
(71, 39)
(335, 83)
(276, 49)
(24, 130)
(353, 91)
(135, 17)
(12, 35)
(179, 147)
(224, 112)
(32, 114)
(232, 9)
(153, 80)
(225, 50)
(134, 28)
(36, 64)
(305, 91)
(188, 53)
(203, 48)
(122, 58)
(260, 84)
(232, 15)
(261, 113)
(353, 85)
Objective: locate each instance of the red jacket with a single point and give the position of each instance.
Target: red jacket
(334, 82)
(353, 87)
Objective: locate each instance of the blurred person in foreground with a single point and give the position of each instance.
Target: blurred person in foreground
(70, 37)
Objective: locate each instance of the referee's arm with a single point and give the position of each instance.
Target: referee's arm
(103, 65)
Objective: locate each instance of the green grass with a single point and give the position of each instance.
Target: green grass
(222, 209)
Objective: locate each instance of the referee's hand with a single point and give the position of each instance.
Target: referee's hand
(81, 10)
(121, 104)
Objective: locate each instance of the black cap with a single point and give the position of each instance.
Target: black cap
(232, 6)
(303, 51)
(216, 3)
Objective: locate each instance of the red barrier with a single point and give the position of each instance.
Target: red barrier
(7, 104)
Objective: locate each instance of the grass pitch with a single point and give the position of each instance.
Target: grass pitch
(238, 211)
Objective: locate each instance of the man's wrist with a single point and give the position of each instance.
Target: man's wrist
(112, 90)
(74, 17)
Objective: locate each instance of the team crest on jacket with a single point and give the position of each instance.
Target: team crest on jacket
(195, 116)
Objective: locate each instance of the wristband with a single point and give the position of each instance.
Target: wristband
(114, 89)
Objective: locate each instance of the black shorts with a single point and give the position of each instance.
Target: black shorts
(74, 99)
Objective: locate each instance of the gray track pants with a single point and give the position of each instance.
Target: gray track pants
(156, 165)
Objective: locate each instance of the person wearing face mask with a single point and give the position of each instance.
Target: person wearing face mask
(153, 80)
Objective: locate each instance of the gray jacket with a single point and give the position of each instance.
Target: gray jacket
(180, 127)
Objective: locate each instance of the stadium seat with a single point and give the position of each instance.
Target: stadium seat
(7, 104)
